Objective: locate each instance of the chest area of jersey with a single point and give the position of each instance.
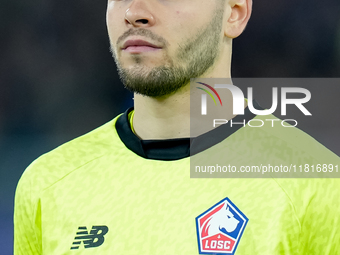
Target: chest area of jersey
(163, 215)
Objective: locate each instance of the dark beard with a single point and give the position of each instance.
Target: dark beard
(195, 58)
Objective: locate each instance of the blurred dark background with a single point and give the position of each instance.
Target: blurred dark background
(58, 79)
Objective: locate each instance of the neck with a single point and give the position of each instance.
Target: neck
(163, 118)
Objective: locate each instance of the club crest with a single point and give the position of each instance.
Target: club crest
(220, 228)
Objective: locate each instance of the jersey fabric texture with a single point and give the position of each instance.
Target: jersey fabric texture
(129, 196)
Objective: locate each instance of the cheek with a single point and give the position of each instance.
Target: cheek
(186, 21)
(109, 13)
(183, 27)
(114, 20)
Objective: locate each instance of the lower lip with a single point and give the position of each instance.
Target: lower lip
(140, 49)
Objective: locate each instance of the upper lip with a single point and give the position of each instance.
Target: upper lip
(138, 43)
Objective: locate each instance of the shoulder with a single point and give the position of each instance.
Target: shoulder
(56, 164)
(284, 140)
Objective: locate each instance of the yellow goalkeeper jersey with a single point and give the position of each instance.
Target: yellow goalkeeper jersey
(108, 192)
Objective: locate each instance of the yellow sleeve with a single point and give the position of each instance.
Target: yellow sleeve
(27, 223)
(320, 227)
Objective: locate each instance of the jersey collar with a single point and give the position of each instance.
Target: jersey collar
(174, 149)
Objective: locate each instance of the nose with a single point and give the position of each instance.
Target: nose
(139, 15)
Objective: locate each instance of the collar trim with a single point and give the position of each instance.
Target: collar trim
(174, 149)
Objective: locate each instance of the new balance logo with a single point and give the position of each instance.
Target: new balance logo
(90, 240)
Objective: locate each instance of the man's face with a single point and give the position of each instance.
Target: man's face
(158, 45)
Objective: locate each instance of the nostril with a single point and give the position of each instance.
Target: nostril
(143, 21)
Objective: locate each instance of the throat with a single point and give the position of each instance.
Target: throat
(161, 127)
